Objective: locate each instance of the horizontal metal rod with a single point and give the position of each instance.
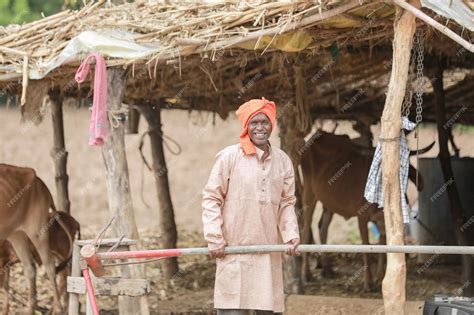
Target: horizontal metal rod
(260, 249)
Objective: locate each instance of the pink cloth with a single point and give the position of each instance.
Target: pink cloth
(250, 201)
(99, 123)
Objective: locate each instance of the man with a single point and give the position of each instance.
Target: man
(249, 200)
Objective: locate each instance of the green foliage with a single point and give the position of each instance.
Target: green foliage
(21, 11)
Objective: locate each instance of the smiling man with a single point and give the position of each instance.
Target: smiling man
(249, 200)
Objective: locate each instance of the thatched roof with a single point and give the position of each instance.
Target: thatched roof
(212, 55)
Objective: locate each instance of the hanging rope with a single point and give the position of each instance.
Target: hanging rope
(164, 139)
(117, 116)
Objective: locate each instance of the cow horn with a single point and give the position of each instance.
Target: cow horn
(424, 150)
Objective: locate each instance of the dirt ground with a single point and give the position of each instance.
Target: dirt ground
(200, 140)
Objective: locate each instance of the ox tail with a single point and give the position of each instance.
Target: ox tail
(423, 150)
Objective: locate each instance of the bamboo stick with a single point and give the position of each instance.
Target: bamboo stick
(12, 51)
(430, 21)
(25, 80)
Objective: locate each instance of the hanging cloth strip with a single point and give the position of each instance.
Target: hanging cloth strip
(99, 124)
(373, 188)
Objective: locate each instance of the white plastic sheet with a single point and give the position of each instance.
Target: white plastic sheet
(457, 11)
(111, 43)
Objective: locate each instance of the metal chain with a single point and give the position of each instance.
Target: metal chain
(418, 97)
(407, 102)
(419, 78)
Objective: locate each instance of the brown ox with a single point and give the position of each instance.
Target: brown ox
(335, 172)
(24, 215)
(60, 247)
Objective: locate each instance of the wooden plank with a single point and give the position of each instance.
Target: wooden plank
(110, 286)
(75, 272)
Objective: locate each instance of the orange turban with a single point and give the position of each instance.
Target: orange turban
(246, 112)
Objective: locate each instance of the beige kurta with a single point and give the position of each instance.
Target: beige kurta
(249, 202)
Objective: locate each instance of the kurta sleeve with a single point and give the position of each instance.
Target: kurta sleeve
(287, 221)
(213, 200)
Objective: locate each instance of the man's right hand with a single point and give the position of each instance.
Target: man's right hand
(218, 253)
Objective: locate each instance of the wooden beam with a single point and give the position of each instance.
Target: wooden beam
(118, 185)
(393, 285)
(59, 153)
(110, 286)
(168, 232)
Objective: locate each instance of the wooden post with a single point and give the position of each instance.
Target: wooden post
(445, 160)
(59, 153)
(393, 285)
(292, 140)
(118, 186)
(168, 233)
(131, 126)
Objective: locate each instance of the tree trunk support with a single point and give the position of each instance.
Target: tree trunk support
(59, 153)
(393, 285)
(118, 187)
(292, 140)
(168, 232)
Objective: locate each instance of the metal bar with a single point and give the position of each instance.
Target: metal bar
(90, 291)
(459, 250)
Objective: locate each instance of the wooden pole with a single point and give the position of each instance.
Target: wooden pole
(59, 153)
(448, 174)
(168, 232)
(118, 186)
(291, 141)
(393, 285)
(131, 126)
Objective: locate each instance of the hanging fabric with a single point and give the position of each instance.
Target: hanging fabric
(373, 188)
(99, 124)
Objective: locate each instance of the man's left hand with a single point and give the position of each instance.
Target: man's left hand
(292, 250)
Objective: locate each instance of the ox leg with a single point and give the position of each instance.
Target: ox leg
(324, 222)
(61, 278)
(21, 245)
(309, 203)
(364, 234)
(378, 219)
(5, 281)
(381, 258)
(41, 243)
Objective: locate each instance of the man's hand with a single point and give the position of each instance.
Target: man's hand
(218, 253)
(292, 250)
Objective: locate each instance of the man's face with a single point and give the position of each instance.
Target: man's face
(259, 129)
